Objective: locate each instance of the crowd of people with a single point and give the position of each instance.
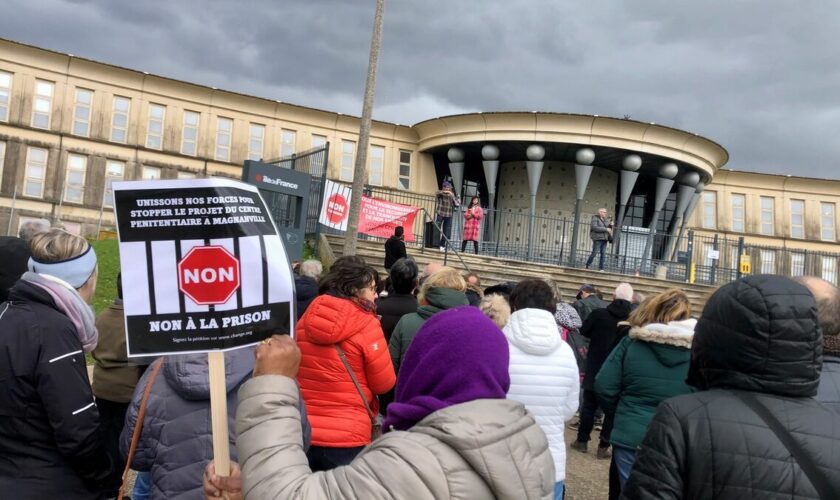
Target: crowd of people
(423, 384)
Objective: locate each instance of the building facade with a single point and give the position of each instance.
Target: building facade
(70, 126)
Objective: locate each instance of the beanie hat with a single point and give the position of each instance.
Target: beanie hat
(458, 355)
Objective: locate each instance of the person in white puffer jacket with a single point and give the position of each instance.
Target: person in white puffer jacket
(543, 371)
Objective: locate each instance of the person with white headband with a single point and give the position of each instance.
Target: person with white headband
(50, 442)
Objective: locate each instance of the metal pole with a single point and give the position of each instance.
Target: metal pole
(12, 212)
(714, 261)
(649, 242)
(360, 169)
(573, 250)
(689, 255)
(617, 228)
(562, 241)
(321, 196)
(740, 253)
(531, 227)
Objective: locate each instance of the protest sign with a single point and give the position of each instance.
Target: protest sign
(335, 205)
(203, 266)
(380, 217)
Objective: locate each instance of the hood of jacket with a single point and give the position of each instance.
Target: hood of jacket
(620, 309)
(667, 341)
(440, 299)
(330, 320)
(487, 433)
(533, 331)
(759, 334)
(189, 374)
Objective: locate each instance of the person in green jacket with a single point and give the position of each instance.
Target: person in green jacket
(442, 290)
(647, 366)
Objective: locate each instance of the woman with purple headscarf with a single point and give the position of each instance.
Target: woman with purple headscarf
(450, 432)
(50, 444)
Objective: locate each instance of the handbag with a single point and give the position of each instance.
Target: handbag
(805, 461)
(375, 424)
(138, 425)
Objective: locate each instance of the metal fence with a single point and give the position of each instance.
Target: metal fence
(515, 234)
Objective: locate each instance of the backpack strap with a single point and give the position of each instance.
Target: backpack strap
(802, 458)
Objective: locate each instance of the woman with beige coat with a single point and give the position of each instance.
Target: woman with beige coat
(450, 431)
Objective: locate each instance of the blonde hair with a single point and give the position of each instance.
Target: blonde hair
(57, 245)
(495, 307)
(670, 305)
(445, 277)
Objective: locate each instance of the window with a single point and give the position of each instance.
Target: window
(2, 161)
(797, 218)
(710, 210)
(42, 104)
(376, 165)
(287, 142)
(768, 216)
(224, 129)
(829, 269)
(36, 171)
(150, 173)
(5, 93)
(738, 211)
(189, 138)
(119, 119)
(74, 181)
(404, 181)
(797, 264)
(81, 112)
(768, 262)
(114, 171)
(255, 143)
(346, 173)
(186, 175)
(317, 164)
(827, 221)
(154, 132)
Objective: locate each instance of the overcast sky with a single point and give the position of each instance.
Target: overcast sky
(760, 77)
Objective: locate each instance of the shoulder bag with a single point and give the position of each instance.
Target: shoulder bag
(805, 461)
(375, 426)
(138, 425)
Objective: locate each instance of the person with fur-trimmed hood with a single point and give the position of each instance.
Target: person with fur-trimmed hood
(648, 366)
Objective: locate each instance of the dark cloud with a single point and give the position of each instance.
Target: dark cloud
(760, 77)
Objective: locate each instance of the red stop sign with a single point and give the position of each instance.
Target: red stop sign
(336, 208)
(208, 275)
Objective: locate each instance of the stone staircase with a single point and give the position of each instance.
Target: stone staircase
(494, 270)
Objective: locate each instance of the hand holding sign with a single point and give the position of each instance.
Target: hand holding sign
(278, 355)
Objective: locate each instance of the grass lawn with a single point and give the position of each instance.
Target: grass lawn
(108, 258)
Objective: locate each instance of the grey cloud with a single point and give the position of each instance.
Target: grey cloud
(760, 77)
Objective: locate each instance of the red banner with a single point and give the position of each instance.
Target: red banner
(380, 217)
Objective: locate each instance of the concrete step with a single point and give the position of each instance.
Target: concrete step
(493, 270)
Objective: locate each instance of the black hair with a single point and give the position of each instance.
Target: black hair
(347, 278)
(398, 231)
(533, 294)
(404, 275)
(119, 285)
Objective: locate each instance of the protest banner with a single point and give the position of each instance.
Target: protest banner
(335, 205)
(204, 270)
(380, 217)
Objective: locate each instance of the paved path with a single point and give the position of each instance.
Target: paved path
(587, 478)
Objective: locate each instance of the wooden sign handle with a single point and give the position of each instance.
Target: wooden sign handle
(218, 413)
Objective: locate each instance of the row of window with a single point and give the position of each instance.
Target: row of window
(768, 218)
(121, 106)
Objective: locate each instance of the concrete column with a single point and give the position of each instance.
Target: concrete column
(664, 183)
(689, 209)
(490, 162)
(629, 175)
(685, 191)
(583, 171)
(534, 165)
(456, 168)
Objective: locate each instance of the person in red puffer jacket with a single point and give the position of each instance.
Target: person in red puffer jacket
(343, 316)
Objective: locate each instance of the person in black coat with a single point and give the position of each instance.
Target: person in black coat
(51, 445)
(14, 254)
(306, 284)
(395, 248)
(601, 328)
(757, 348)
